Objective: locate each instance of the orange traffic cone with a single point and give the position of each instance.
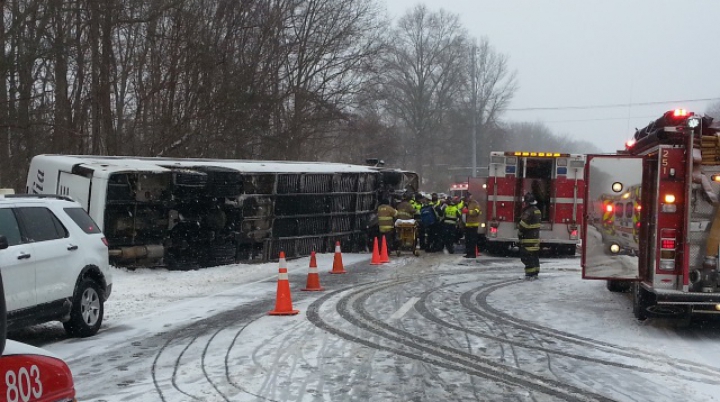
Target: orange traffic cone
(337, 261)
(283, 300)
(313, 279)
(384, 253)
(477, 252)
(376, 254)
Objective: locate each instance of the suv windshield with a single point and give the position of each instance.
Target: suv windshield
(83, 220)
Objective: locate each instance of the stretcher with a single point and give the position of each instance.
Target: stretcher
(407, 236)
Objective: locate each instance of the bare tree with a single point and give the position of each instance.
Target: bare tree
(713, 110)
(491, 90)
(422, 76)
(329, 45)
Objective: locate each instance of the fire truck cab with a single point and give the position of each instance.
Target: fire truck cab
(652, 221)
(556, 181)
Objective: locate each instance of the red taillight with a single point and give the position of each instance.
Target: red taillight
(105, 242)
(637, 225)
(493, 229)
(667, 243)
(573, 233)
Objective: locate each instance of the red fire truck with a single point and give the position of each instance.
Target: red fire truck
(30, 374)
(671, 172)
(556, 181)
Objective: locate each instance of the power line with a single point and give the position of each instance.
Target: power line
(610, 105)
(601, 119)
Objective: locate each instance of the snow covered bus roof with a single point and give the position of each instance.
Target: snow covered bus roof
(113, 164)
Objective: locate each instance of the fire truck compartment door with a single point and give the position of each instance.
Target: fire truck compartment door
(609, 246)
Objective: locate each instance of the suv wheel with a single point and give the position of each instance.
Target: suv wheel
(87, 310)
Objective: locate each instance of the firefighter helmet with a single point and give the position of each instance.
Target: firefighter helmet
(529, 199)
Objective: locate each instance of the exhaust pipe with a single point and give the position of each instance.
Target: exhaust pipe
(151, 251)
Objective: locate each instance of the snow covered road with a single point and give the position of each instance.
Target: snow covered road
(433, 328)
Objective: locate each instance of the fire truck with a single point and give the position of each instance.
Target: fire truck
(664, 188)
(555, 179)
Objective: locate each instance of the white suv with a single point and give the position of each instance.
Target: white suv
(54, 262)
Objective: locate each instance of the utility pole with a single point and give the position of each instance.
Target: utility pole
(474, 110)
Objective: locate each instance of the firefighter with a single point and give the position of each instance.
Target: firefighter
(405, 210)
(417, 204)
(451, 216)
(472, 224)
(386, 222)
(460, 227)
(434, 201)
(529, 235)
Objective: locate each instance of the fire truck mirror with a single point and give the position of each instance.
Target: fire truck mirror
(610, 244)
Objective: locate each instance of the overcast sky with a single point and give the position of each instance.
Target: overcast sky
(656, 55)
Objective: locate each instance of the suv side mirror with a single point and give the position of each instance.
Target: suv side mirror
(3, 242)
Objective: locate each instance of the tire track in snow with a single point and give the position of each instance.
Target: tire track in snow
(350, 307)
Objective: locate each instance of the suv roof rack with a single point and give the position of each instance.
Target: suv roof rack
(55, 196)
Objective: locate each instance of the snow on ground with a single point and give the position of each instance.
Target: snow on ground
(147, 303)
(144, 291)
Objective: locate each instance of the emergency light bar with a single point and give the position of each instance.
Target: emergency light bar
(536, 154)
(680, 113)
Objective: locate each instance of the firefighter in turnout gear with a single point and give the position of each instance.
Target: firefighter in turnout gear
(405, 210)
(529, 235)
(386, 222)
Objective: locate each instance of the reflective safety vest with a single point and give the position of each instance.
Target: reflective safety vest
(386, 218)
(417, 207)
(451, 215)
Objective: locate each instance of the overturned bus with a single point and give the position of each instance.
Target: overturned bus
(190, 213)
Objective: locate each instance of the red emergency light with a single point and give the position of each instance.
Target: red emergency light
(680, 113)
(667, 243)
(677, 114)
(609, 208)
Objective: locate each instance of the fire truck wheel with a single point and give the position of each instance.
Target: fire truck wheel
(570, 251)
(618, 286)
(641, 301)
